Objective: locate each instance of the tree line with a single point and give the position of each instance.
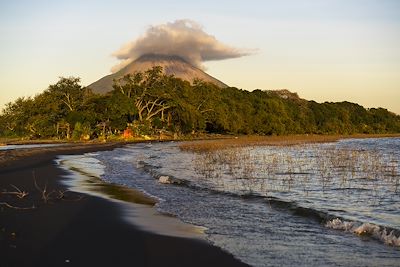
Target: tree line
(150, 102)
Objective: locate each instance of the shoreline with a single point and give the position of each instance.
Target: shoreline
(136, 207)
(195, 137)
(51, 226)
(207, 145)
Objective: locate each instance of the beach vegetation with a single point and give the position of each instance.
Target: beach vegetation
(151, 103)
(303, 167)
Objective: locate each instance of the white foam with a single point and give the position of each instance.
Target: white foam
(84, 163)
(390, 239)
(368, 229)
(338, 224)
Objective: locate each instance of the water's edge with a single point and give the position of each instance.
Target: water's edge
(136, 207)
(261, 230)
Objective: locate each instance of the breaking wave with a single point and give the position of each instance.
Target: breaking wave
(388, 237)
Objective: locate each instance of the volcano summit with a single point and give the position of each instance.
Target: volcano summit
(172, 65)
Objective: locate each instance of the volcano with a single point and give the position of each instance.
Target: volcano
(172, 65)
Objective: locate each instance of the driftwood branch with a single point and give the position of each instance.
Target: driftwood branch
(15, 207)
(45, 195)
(19, 193)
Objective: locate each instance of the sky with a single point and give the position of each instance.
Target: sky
(325, 50)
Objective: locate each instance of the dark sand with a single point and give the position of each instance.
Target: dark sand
(74, 229)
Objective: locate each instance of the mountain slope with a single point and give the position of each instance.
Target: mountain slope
(172, 65)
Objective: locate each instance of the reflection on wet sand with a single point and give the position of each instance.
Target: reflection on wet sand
(136, 207)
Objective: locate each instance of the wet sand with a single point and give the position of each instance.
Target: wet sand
(77, 229)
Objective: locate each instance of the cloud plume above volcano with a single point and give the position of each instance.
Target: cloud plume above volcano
(184, 38)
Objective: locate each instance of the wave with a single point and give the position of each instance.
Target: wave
(366, 229)
(386, 235)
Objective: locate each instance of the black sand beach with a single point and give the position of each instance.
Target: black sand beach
(73, 229)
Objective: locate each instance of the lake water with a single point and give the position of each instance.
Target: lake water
(331, 204)
(26, 146)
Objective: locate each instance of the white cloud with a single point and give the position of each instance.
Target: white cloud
(184, 38)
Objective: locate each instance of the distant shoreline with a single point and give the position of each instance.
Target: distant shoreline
(219, 141)
(22, 141)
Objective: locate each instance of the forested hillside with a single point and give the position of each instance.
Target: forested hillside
(150, 102)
